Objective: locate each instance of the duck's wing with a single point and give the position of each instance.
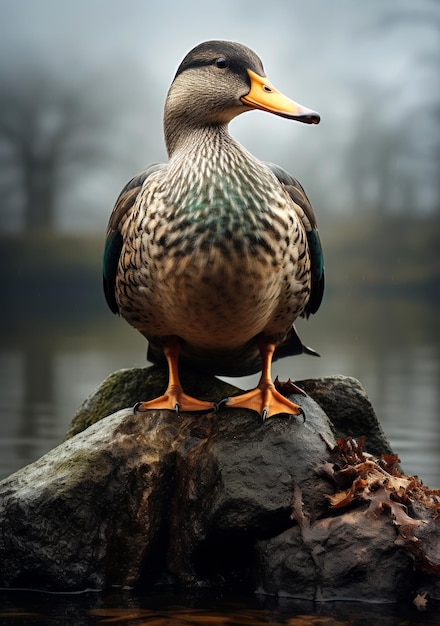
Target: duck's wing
(114, 241)
(307, 216)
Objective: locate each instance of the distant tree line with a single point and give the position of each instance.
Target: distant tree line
(54, 137)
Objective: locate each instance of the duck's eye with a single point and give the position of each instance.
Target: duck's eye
(221, 62)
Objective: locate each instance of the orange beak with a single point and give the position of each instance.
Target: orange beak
(263, 95)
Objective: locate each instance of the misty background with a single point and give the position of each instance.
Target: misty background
(82, 88)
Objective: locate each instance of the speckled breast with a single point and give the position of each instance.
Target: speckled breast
(215, 268)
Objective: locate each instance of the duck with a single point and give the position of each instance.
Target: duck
(213, 255)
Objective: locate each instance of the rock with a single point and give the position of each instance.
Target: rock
(348, 557)
(220, 499)
(89, 512)
(235, 486)
(344, 400)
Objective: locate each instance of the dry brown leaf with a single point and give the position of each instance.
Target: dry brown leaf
(421, 601)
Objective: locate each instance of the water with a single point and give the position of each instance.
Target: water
(391, 346)
(207, 609)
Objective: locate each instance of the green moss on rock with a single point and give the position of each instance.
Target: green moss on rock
(125, 387)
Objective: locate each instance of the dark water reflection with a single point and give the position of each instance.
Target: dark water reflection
(169, 610)
(391, 346)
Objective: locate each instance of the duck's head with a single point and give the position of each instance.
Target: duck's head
(218, 80)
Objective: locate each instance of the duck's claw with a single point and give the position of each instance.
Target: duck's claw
(301, 412)
(219, 405)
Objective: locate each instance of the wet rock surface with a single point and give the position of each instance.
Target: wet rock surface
(221, 500)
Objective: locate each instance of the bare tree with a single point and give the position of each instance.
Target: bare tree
(52, 133)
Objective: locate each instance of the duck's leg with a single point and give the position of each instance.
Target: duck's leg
(264, 399)
(174, 397)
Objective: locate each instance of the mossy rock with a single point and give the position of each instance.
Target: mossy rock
(125, 387)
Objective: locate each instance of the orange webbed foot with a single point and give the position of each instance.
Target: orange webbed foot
(265, 400)
(175, 399)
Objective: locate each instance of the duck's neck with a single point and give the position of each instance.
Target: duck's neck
(208, 168)
(183, 137)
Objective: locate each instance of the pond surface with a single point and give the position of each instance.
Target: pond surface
(207, 609)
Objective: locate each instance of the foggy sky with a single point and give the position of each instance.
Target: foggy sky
(357, 63)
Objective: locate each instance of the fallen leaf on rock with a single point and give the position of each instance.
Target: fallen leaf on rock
(421, 601)
(360, 478)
